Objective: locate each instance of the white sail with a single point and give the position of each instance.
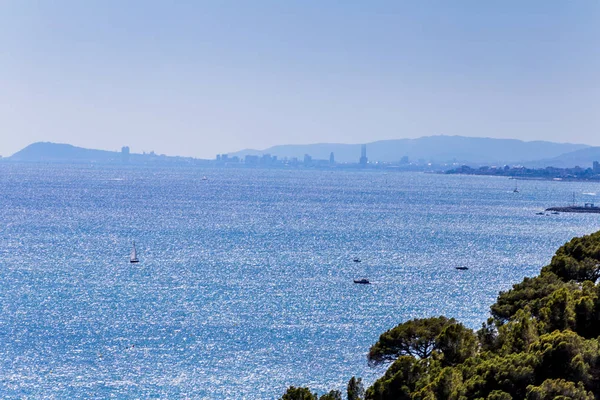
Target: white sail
(133, 257)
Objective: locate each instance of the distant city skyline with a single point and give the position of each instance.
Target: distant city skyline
(201, 79)
(424, 151)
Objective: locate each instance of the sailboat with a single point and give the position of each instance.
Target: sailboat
(516, 189)
(133, 257)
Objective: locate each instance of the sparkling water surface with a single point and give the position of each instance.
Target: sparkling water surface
(244, 285)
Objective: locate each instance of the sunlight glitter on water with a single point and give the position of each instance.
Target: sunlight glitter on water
(245, 280)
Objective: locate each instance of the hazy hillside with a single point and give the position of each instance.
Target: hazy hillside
(430, 148)
(46, 151)
(583, 158)
(58, 152)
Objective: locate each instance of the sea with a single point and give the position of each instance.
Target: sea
(245, 280)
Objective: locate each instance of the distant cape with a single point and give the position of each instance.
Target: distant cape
(66, 153)
(53, 152)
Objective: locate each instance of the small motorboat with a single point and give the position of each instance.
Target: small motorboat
(356, 259)
(462, 268)
(539, 213)
(362, 281)
(555, 212)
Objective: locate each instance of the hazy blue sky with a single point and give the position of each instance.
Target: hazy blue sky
(198, 78)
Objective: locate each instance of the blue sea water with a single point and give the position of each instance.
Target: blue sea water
(245, 280)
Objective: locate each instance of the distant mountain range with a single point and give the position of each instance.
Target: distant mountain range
(436, 149)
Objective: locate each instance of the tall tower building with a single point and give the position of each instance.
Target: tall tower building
(307, 160)
(125, 154)
(363, 155)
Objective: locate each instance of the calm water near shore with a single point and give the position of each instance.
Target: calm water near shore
(244, 285)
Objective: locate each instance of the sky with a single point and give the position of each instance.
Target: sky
(197, 78)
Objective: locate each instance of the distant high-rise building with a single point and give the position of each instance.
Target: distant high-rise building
(363, 155)
(596, 167)
(225, 159)
(331, 158)
(125, 154)
(307, 160)
(267, 159)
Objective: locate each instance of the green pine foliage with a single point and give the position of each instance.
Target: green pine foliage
(332, 395)
(355, 390)
(541, 342)
(299, 393)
